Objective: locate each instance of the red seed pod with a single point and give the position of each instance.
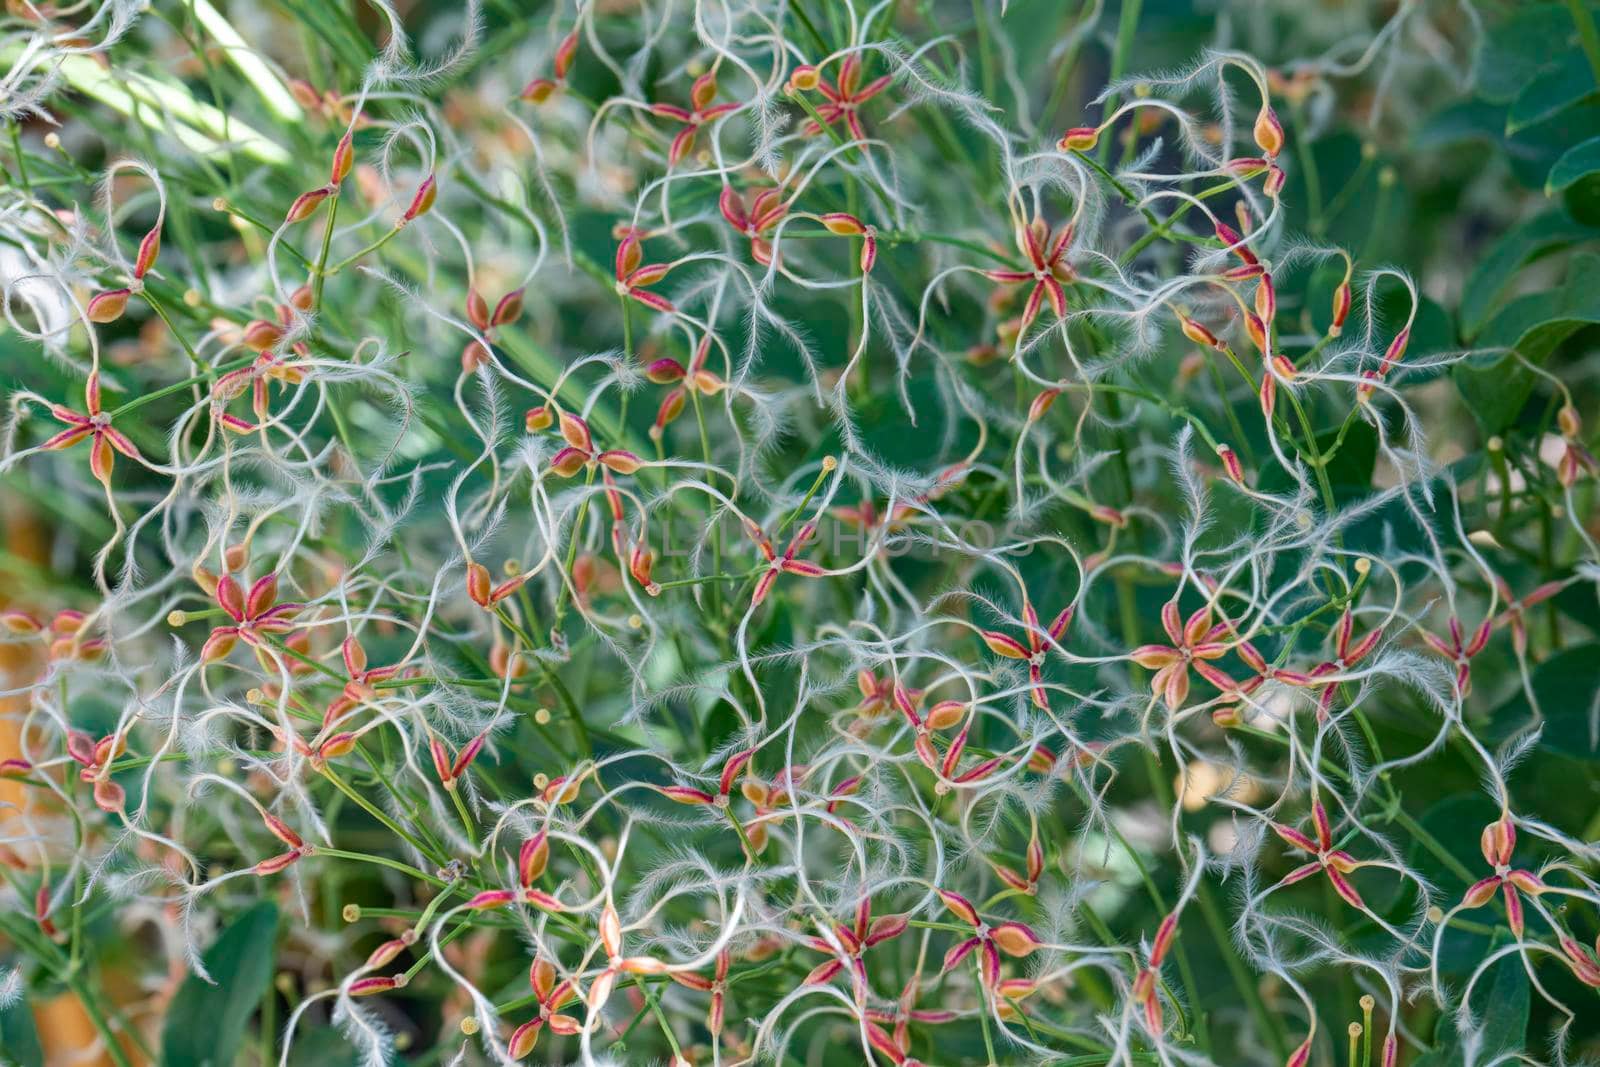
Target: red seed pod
(422, 202)
(1574, 464)
(568, 461)
(523, 1039)
(1197, 332)
(479, 584)
(491, 898)
(336, 746)
(946, 714)
(960, 906)
(1230, 237)
(509, 309)
(1109, 516)
(20, 623)
(804, 78)
(282, 831)
(108, 306)
(1396, 351)
(621, 461)
(704, 90)
(477, 309)
(305, 94)
(576, 432)
(1269, 131)
(366, 987)
(149, 248)
(842, 224)
(1041, 404)
(1498, 841)
(385, 953)
(1079, 139)
(538, 90)
(538, 418)
(262, 335)
(1231, 464)
(344, 158)
(869, 251)
(1341, 308)
(565, 51)
(1266, 299)
(219, 644)
(276, 865)
(532, 858)
(1273, 186)
(1257, 330)
(1569, 422)
(665, 371)
(1165, 933)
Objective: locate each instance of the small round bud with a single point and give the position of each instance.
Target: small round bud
(1368, 1002)
(177, 618)
(192, 298)
(52, 141)
(1363, 565)
(351, 913)
(469, 1025)
(219, 204)
(829, 464)
(1494, 444)
(1355, 1029)
(1568, 420)
(542, 717)
(1435, 915)
(635, 621)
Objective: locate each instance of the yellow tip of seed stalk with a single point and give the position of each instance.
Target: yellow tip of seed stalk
(351, 913)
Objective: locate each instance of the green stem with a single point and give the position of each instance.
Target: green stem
(319, 273)
(1588, 36)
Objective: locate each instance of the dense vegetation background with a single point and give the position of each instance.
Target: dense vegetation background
(800, 531)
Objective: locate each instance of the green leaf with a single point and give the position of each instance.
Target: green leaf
(322, 1046)
(1579, 161)
(1500, 1003)
(1539, 236)
(1564, 685)
(19, 1039)
(1520, 48)
(1350, 469)
(1570, 82)
(1496, 386)
(206, 1023)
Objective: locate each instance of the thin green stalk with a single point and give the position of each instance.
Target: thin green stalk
(319, 275)
(1588, 36)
